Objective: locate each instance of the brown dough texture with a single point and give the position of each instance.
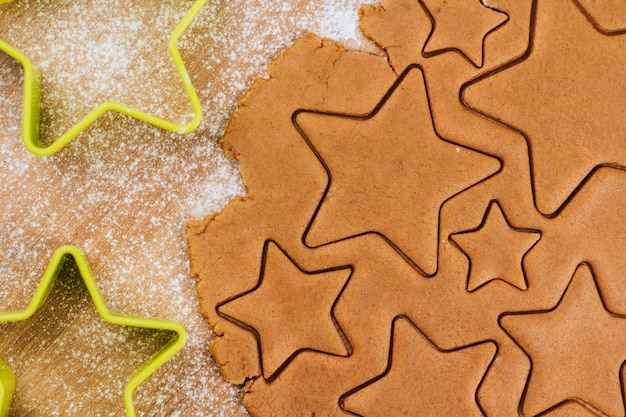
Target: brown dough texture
(437, 230)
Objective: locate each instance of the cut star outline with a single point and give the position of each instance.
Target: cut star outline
(31, 101)
(596, 24)
(367, 116)
(549, 310)
(516, 61)
(256, 334)
(60, 256)
(436, 52)
(435, 347)
(495, 203)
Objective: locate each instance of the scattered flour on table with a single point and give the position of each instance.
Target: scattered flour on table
(123, 190)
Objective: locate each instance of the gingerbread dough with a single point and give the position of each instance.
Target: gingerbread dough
(423, 217)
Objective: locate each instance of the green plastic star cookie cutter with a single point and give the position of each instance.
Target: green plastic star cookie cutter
(31, 105)
(175, 344)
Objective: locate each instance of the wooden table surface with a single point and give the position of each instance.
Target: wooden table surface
(123, 189)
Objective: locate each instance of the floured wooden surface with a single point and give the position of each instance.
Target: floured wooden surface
(345, 156)
(123, 189)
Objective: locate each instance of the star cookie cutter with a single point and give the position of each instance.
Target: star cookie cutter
(31, 106)
(176, 343)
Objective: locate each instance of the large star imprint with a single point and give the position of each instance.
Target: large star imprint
(290, 310)
(567, 95)
(577, 350)
(390, 172)
(496, 250)
(422, 380)
(453, 31)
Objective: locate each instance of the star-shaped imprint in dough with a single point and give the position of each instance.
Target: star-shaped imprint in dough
(454, 30)
(423, 380)
(496, 249)
(577, 350)
(567, 95)
(290, 310)
(390, 172)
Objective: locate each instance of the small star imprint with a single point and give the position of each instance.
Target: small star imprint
(496, 250)
(453, 31)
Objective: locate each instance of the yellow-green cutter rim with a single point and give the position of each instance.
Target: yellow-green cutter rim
(31, 106)
(176, 343)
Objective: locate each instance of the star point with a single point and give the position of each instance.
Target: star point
(608, 16)
(454, 31)
(390, 172)
(290, 310)
(577, 349)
